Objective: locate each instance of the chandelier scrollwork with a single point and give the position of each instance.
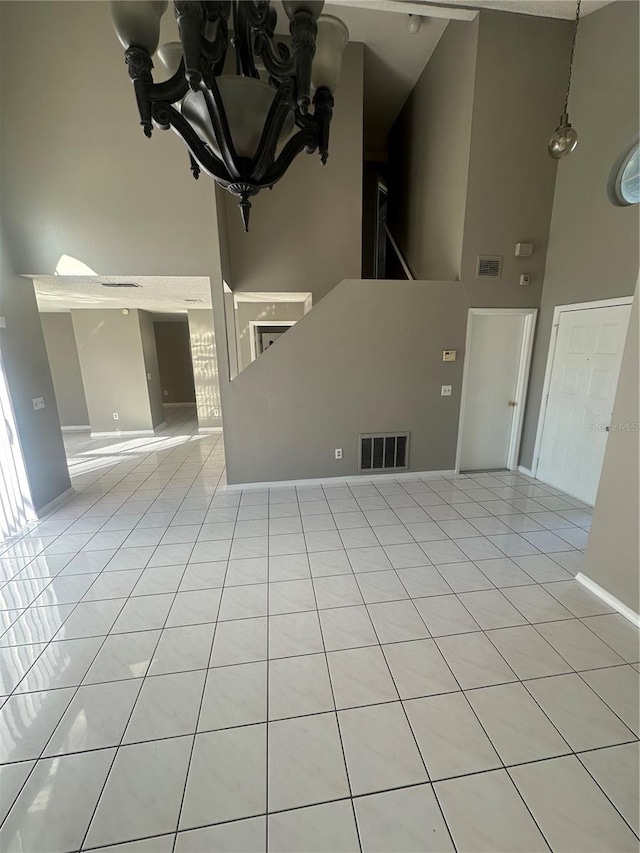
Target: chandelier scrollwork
(243, 128)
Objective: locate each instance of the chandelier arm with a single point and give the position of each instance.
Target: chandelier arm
(167, 117)
(265, 153)
(306, 139)
(243, 41)
(190, 17)
(303, 29)
(215, 51)
(278, 65)
(258, 14)
(221, 129)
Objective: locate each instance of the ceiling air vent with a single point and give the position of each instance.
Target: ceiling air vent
(384, 451)
(118, 284)
(489, 266)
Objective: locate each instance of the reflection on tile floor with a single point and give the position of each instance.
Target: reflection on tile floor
(380, 666)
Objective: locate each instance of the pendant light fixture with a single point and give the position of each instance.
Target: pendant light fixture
(243, 125)
(565, 139)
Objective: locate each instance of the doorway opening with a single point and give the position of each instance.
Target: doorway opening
(264, 335)
(494, 387)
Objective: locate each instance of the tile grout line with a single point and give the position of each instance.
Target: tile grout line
(120, 743)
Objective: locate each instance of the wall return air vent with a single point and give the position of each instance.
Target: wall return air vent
(383, 451)
(489, 266)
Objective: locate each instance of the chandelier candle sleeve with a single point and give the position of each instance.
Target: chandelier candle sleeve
(243, 129)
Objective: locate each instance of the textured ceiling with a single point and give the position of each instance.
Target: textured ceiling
(168, 296)
(156, 294)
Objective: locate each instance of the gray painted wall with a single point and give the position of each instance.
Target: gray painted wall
(429, 158)
(612, 557)
(264, 312)
(521, 67)
(152, 370)
(205, 368)
(113, 368)
(173, 346)
(27, 369)
(306, 233)
(470, 173)
(368, 358)
(93, 187)
(64, 363)
(593, 245)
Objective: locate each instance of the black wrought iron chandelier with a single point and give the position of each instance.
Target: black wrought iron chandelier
(238, 127)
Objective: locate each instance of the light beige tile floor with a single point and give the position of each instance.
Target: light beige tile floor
(380, 666)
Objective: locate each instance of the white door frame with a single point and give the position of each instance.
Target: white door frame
(559, 309)
(255, 324)
(530, 315)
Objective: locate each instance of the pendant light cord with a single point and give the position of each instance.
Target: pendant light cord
(573, 50)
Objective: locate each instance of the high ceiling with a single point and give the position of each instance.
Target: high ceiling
(395, 58)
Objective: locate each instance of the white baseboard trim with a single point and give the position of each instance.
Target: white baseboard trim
(610, 599)
(55, 503)
(210, 429)
(85, 428)
(522, 470)
(178, 405)
(369, 476)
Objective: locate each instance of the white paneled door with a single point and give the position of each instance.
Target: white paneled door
(581, 392)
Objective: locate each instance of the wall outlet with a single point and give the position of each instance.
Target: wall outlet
(166, 393)
(38, 403)
(445, 391)
(338, 452)
(115, 416)
(449, 354)
(216, 413)
(148, 377)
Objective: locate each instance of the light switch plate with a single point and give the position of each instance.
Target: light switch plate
(445, 391)
(449, 354)
(38, 403)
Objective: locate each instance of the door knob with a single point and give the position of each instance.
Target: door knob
(512, 403)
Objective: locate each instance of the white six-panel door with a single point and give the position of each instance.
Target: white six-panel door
(581, 393)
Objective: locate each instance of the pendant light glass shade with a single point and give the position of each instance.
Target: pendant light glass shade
(169, 55)
(313, 7)
(564, 140)
(247, 102)
(331, 40)
(137, 22)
